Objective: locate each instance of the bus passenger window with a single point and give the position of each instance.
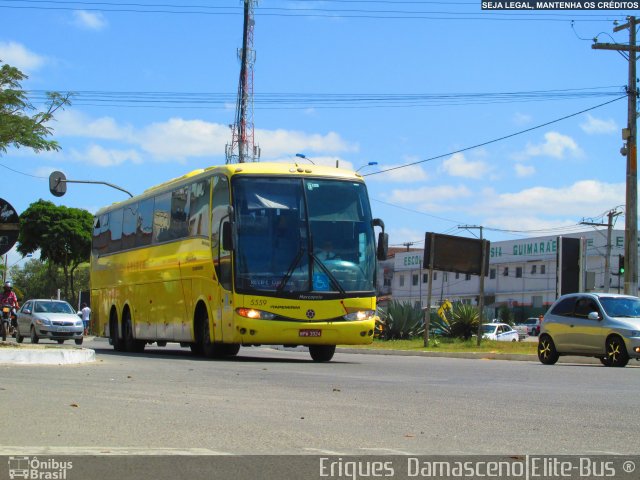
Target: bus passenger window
(129, 222)
(161, 218)
(145, 222)
(115, 238)
(179, 214)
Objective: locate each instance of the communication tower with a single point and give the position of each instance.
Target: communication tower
(243, 148)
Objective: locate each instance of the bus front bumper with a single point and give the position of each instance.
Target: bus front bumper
(276, 332)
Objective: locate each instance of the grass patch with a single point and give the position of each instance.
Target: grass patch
(440, 344)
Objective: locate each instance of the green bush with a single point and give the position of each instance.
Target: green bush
(464, 320)
(400, 320)
(440, 326)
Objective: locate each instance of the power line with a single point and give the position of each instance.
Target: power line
(174, 9)
(299, 100)
(21, 173)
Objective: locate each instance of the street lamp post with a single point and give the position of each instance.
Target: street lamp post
(370, 164)
(302, 155)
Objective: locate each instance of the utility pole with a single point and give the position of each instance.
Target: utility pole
(482, 274)
(607, 259)
(408, 245)
(630, 135)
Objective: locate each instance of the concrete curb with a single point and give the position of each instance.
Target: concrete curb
(469, 355)
(18, 355)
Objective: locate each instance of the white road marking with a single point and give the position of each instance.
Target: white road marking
(34, 450)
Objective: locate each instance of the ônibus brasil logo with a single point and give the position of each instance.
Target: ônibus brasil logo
(35, 469)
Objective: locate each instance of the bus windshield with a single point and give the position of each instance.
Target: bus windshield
(303, 235)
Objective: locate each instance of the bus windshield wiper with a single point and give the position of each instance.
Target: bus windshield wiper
(292, 267)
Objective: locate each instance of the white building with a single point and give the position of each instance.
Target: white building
(522, 273)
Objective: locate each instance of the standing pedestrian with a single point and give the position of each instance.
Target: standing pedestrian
(85, 312)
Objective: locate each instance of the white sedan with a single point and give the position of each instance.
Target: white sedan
(500, 332)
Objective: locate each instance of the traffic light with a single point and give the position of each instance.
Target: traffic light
(620, 264)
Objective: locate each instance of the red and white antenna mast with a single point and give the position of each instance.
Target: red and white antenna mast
(242, 148)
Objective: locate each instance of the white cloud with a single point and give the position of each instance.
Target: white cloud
(17, 55)
(72, 123)
(180, 139)
(458, 166)
(577, 200)
(89, 20)
(596, 126)
(524, 170)
(102, 157)
(287, 142)
(555, 145)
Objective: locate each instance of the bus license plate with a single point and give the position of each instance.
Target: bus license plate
(308, 332)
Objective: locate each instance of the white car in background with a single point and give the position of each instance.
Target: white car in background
(500, 332)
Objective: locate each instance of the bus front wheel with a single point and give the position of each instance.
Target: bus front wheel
(322, 353)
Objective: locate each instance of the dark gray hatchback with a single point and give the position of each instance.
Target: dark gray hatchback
(601, 325)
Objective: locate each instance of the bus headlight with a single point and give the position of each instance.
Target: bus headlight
(255, 314)
(359, 315)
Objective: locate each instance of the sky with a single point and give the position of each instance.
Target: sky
(472, 116)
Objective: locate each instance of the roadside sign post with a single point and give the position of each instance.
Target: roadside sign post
(427, 311)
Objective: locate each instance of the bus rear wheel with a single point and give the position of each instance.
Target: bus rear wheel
(115, 339)
(322, 353)
(130, 343)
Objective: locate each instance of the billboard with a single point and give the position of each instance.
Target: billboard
(455, 254)
(568, 264)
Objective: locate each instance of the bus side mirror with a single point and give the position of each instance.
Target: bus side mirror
(227, 236)
(383, 246)
(383, 240)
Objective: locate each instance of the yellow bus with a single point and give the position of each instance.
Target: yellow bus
(240, 254)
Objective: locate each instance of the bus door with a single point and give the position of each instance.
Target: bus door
(222, 309)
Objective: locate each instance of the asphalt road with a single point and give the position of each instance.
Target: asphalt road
(266, 401)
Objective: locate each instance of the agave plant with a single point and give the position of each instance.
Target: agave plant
(400, 320)
(464, 320)
(440, 326)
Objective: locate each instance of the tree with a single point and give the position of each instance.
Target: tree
(38, 279)
(62, 234)
(17, 128)
(505, 315)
